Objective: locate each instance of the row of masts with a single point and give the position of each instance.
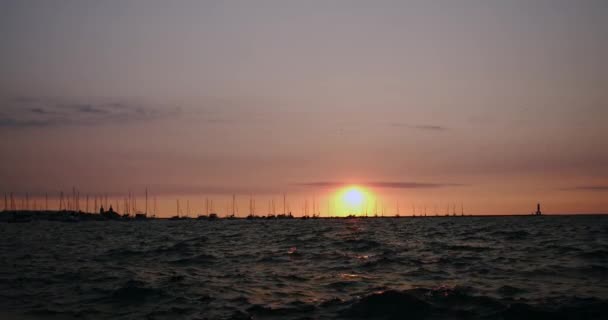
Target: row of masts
(416, 211)
(75, 203)
(232, 209)
(307, 209)
(423, 212)
(87, 203)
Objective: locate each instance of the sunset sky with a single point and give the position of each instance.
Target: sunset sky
(496, 105)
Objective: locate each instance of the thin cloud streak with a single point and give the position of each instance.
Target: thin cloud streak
(428, 127)
(32, 112)
(381, 184)
(153, 190)
(587, 188)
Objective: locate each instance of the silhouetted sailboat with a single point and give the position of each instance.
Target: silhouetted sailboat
(305, 211)
(233, 214)
(286, 214)
(251, 208)
(397, 210)
(212, 214)
(143, 215)
(154, 214)
(177, 214)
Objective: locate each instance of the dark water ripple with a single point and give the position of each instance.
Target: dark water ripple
(494, 268)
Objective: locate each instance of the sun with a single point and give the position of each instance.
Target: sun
(351, 200)
(353, 197)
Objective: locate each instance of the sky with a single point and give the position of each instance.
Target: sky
(488, 105)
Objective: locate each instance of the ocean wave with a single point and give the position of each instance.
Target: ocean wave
(598, 254)
(135, 292)
(441, 303)
(292, 308)
(361, 244)
(511, 235)
(315, 269)
(463, 247)
(388, 304)
(200, 259)
(510, 291)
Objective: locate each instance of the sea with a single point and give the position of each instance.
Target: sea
(548, 267)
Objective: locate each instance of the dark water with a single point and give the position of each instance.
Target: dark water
(495, 268)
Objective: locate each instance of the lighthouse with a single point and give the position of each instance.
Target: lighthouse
(538, 213)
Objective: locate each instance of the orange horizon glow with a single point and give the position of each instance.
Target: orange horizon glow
(353, 200)
(349, 199)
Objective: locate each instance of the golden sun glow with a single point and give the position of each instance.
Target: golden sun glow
(352, 200)
(353, 197)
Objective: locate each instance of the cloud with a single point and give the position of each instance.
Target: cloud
(33, 112)
(428, 127)
(40, 111)
(587, 188)
(239, 191)
(9, 122)
(87, 108)
(381, 184)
